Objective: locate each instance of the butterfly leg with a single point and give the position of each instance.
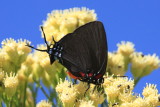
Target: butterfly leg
(75, 81)
(120, 76)
(95, 87)
(87, 89)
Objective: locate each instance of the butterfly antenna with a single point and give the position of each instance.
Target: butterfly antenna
(53, 39)
(35, 48)
(48, 46)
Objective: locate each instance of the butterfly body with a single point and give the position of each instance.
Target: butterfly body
(84, 53)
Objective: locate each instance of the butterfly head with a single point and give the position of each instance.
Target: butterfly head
(55, 52)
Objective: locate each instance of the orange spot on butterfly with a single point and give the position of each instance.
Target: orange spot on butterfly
(71, 75)
(98, 76)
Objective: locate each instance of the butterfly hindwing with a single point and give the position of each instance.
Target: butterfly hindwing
(85, 48)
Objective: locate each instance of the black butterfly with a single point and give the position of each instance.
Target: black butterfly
(83, 52)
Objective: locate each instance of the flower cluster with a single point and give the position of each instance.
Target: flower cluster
(13, 53)
(141, 65)
(119, 92)
(62, 22)
(75, 95)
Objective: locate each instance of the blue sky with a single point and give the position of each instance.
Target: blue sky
(137, 21)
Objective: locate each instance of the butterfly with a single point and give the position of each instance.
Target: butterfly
(84, 52)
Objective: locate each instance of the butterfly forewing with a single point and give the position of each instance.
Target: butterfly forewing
(85, 49)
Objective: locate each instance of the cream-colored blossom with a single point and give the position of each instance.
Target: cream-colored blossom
(38, 55)
(10, 46)
(67, 93)
(150, 89)
(11, 83)
(140, 102)
(81, 88)
(152, 62)
(22, 48)
(68, 96)
(127, 104)
(62, 85)
(116, 64)
(62, 22)
(137, 64)
(112, 93)
(84, 103)
(125, 48)
(26, 68)
(153, 100)
(108, 80)
(126, 97)
(24, 72)
(124, 84)
(97, 97)
(44, 103)
(15, 52)
(143, 65)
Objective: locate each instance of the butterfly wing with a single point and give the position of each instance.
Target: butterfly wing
(85, 49)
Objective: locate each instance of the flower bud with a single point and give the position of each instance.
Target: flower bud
(44, 103)
(10, 83)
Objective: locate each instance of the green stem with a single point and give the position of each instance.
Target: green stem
(42, 89)
(1, 104)
(136, 81)
(35, 95)
(11, 102)
(24, 98)
(52, 96)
